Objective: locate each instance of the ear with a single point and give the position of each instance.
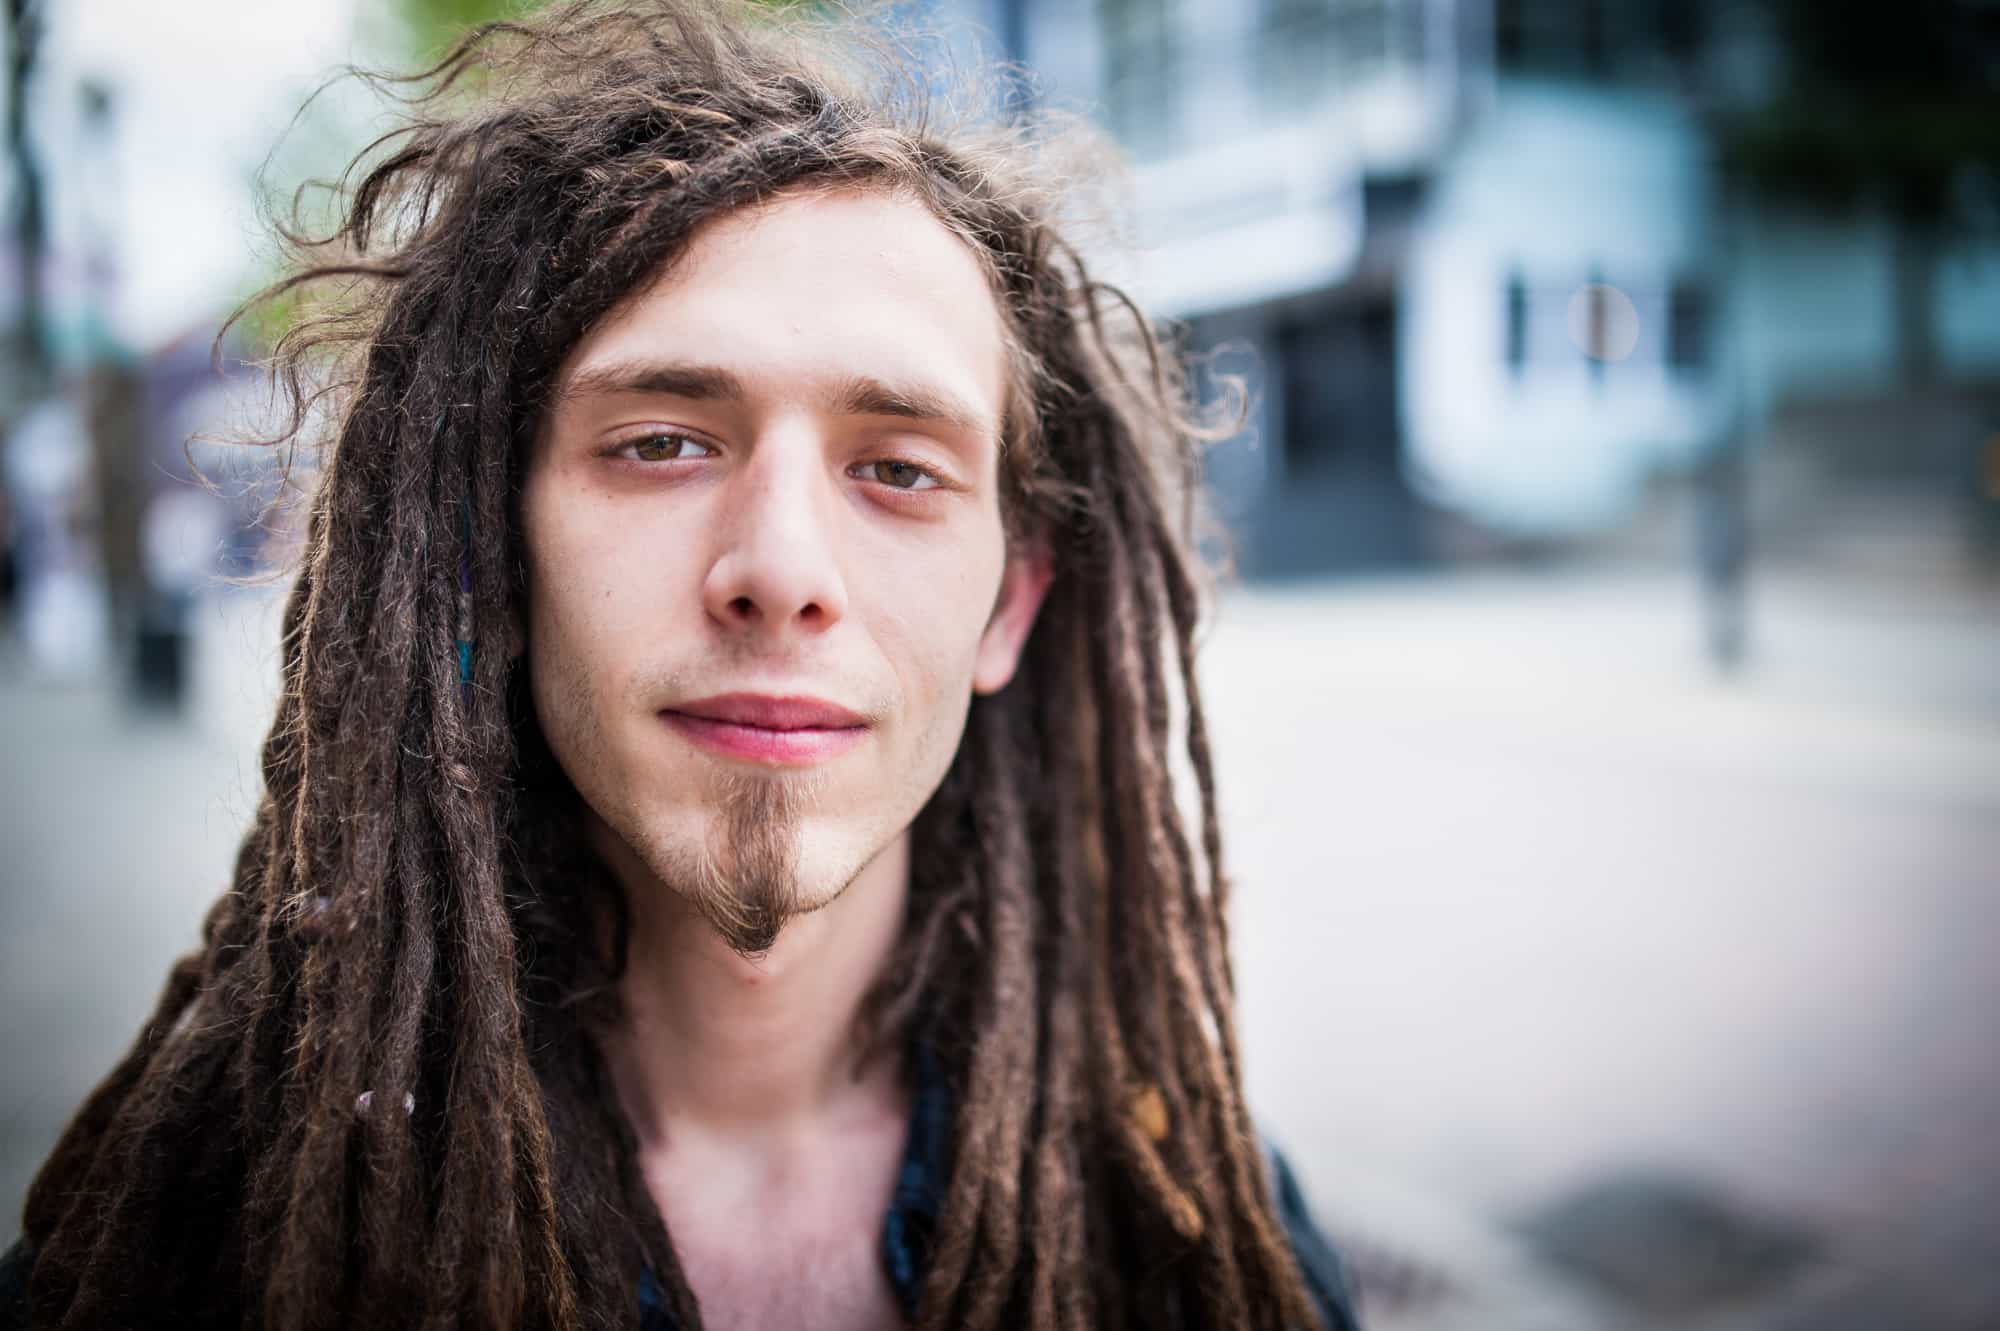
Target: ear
(1022, 587)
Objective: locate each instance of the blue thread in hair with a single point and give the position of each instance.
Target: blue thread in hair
(465, 638)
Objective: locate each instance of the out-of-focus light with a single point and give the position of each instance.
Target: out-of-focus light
(1603, 321)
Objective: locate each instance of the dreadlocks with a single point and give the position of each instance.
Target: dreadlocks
(372, 1097)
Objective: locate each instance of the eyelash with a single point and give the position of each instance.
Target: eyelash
(628, 449)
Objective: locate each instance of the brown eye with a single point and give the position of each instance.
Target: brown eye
(663, 447)
(903, 475)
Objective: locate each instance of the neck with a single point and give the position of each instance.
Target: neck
(714, 1044)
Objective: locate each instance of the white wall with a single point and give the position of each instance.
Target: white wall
(1564, 186)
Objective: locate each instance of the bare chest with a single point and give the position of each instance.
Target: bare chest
(793, 1241)
(781, 1284)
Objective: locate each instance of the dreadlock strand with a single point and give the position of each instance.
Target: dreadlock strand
(1111, 1067)
(1260, 1241)
(1185, 1190)
(1166, 569)
(1140, 855)
(389, 1138)
(1015, 1020)
(1061, 1296)
(955, 1243)
(979, 1230)
(1196, 952)
(337, 1044)
(477, 817)
(1180, 591)
(1241, 1172)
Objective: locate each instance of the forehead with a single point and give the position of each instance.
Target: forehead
(811, 289)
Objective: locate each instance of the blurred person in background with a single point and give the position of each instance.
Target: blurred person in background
(720, 860)
(9, 566)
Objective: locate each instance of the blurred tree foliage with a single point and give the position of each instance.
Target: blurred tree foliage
(435, 24)
(1889, 107)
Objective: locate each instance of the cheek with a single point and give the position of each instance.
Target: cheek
(589, 578)
(559, 595)
(931, 626)
(575, 650)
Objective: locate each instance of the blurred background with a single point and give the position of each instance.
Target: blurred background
(1607, 706)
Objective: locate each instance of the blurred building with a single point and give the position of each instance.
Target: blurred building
(1483, 261)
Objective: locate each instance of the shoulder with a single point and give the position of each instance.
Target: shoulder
(14, 1267)
(1325, 1279)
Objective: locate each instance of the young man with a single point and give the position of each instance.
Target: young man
(720, 862)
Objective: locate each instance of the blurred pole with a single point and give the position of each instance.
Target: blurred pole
(24, 37)
(1722, 550)
(148, 619)
(26, 373)
(1722, 476)
(112, 392)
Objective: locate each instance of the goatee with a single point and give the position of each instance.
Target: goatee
(748, 886)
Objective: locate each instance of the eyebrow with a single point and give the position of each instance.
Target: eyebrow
(861, 395)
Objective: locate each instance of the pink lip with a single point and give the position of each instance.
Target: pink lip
(762, 728)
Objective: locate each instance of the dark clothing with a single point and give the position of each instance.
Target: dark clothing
(907, 1229)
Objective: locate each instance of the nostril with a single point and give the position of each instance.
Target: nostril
(744, 607)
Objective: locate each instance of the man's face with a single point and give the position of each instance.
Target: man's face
(766, 566)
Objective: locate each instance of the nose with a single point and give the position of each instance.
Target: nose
(776, 570)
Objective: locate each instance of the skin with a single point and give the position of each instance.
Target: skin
(816, 513)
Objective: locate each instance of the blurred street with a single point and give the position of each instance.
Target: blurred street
(119, 828)
(1527, 898)
(1529, 901)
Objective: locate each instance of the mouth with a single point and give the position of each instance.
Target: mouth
(781, 731)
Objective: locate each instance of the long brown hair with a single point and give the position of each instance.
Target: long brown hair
(371, 1098)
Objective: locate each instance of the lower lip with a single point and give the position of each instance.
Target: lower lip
(759, 744)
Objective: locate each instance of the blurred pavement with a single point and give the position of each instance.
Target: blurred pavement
(118, 827)
(1529, 900)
